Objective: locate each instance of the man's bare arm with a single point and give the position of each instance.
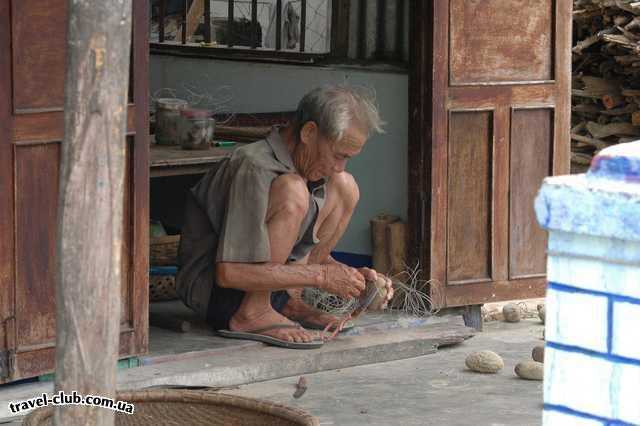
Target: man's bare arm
(336, 278)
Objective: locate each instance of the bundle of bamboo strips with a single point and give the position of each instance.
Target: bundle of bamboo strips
(606, 77)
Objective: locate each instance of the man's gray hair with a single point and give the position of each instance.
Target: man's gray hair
(335, 108)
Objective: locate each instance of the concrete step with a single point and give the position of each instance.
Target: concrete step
(248, 362)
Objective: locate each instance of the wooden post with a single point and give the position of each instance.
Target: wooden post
(90, 215)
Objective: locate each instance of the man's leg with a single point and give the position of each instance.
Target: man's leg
(341, 199)
(288, 205)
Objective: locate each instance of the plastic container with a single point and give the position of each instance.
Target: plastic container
(167, 119)
(196, 128)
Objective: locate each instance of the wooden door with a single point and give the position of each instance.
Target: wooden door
(490, 113)
(32, 68)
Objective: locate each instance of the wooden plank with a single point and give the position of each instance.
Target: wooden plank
(420, 139)
(39, 52)
(562, 112)
(470, 294)
(197, 169)
(340, 10)
(140, 179)
(491, 96)
(438, 123)
(531, 151)
(469, 200)
(7, 249)
(37, 175)
(126, 261)
(500, 195)
(174, 156)
(501, 40)
(48, 127)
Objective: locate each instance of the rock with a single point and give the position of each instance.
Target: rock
(542, 311)
(484, 362)
(511, 312)
(530, 370)
(538, 353)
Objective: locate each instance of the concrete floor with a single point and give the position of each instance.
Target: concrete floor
(429, 390)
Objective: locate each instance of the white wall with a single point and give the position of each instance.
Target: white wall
(380, 170)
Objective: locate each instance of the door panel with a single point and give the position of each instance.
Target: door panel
(39, 53)
(469, 249)
(501, 41)
(36, 169)
(531, 149)
(7, 252)
(490, 118)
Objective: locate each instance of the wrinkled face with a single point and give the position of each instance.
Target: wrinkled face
(316, 156)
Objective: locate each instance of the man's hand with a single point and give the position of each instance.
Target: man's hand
(371, 275)
(342, 280)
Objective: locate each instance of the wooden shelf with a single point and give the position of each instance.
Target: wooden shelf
(168, 160)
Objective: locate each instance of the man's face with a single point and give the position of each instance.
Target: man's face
(326, 157)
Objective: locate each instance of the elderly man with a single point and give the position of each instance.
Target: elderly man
(261, 226)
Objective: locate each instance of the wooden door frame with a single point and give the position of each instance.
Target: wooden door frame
(7, 245)
(430, 99)
(25, 128)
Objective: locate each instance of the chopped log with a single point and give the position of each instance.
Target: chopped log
(631, 93)
(588, 42)
(600, 86)
(596, 143)
(579, 127)
(380, 256)
(397, 246)
(584, 94)
(589, 109)
(580, 158)
(606, 58)
(627, 59)
(611, 101)
(627, 109)
(613, 129)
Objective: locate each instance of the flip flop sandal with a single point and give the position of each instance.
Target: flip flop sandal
(273, 341)
(313, 326)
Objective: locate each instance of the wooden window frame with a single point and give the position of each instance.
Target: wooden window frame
(339, 34)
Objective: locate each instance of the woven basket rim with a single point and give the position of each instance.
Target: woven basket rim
(37, 416)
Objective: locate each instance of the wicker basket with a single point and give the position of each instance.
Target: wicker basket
(197, 408)
(163, 251)
(162, 288)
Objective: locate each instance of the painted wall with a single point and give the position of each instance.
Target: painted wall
(380, 170)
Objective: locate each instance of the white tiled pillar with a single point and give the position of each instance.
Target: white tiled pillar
(592, 357)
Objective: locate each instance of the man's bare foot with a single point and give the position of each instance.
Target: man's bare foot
(297, 310)
(244, 321)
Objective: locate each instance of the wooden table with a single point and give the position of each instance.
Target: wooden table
(174, 161)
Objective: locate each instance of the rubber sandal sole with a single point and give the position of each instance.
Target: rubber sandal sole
(243, 335)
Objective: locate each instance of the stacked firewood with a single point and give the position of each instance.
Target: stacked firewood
(606, 77)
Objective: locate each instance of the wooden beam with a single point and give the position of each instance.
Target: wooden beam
(90, 208)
